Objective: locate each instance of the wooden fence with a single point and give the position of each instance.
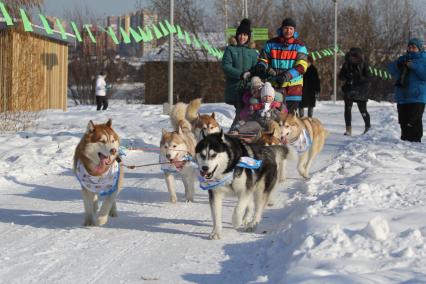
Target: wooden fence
(33, 72)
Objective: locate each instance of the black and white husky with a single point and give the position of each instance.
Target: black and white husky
(218, 157)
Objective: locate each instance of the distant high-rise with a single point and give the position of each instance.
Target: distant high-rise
(134, 20)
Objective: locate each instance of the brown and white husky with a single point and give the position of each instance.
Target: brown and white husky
(178, 148)
(307, 135)
(98, 168)
(206, 124)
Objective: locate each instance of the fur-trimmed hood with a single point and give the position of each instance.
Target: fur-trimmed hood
(233, 41)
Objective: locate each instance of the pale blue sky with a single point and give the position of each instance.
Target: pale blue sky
(98, 7)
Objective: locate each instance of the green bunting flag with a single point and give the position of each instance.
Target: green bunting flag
(46, 25)
(179, 32)
(136, 35)
(163, 29)
(76, 32)
(146, 36)
(6, 15)
(187, 39)
(157, 32)
(171, 28)
(126, 37)
(61, 29)
(196, 42)
(111, 33)
(26, 21)
(89, 32)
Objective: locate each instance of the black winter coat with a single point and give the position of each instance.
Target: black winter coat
(357, 78)
(311, 86)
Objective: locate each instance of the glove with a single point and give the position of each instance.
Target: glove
(245, 75)
(281, 79)
(275, 104)
(259, 69)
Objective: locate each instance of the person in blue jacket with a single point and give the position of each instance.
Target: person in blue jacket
(410, 93)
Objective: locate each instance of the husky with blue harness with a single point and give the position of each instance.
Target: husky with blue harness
(229, 165)
(99, 170)
(177, 149)
(306, 135)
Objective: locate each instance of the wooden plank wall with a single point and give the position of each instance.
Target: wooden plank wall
(36, 72)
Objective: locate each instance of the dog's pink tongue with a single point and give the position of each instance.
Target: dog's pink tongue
(101, 167)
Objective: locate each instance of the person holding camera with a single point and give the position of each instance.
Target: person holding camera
(410, 93)
(355, 74)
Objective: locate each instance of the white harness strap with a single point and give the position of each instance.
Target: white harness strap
(105, 184)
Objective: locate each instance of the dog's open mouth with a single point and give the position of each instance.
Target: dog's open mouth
(178, 164)
(105, 160)
(206, 174)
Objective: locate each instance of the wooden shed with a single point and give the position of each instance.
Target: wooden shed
(33, 71)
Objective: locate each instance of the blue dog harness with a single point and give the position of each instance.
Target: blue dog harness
(170, 168)
(245, 162)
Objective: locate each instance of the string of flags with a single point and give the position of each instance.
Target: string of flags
(149, 33)
(319, 54)
(146, 34)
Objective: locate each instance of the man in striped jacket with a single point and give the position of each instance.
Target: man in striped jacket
(285, 57)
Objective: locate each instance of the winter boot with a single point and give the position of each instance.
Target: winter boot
(348, 131)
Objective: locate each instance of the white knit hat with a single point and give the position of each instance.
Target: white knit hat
(267, 90)
(256, 83)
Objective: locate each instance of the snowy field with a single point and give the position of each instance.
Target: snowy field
(361, 218)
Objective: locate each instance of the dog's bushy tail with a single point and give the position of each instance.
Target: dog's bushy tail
(193, 109)
(183, 114)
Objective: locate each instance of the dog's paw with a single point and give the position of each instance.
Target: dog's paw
(102, 220)
(215, 236)
(189, 200)
(113, 214)
(173, 199)
(89, 223)
(251, 227)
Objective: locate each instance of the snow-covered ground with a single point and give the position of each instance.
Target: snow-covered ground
(359, 219)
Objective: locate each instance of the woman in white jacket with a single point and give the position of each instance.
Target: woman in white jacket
(101, 87)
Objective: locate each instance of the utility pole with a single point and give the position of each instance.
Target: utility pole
(335, 53)
(166, 110)
(244, 9)
(226, 14)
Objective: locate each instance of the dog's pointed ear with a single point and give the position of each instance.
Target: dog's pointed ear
(273, 132)
(109, 123)
(295, 113)
(90, 127)
(282, 118)
(180, 127)
(213, 115)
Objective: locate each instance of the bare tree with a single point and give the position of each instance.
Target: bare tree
(14, 5)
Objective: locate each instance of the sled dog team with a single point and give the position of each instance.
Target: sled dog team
(226, 164)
